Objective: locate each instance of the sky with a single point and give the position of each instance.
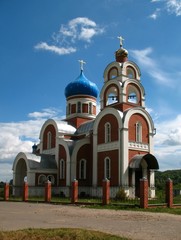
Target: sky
(41, 42)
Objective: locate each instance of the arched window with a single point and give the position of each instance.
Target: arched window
(79, 107)
(82, 169)
(62, 169)
(138, 132)
(51, 179)
(107, 132)
(133, 94)
(90, 108)
(107, 168)
(113, 73)
(49, 140)
(131, 72)
(112, 96)
(42, 179)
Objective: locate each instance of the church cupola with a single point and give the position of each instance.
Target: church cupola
(81, 95)
(121, 54)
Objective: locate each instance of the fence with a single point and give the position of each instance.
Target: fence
(142, 202)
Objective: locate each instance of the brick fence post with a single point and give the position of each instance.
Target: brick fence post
(106, 192)
(6, 191)
(169, 193)
(143, 193)
(25, 192)
(48, 191)
(74, 196)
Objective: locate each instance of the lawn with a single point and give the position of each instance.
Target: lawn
(57, 234)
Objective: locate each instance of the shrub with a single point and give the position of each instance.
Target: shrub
(121, 195)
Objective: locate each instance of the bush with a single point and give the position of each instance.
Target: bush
(121, 195)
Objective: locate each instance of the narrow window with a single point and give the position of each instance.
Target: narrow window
(107, 132)
(62, 169)
(82, 169)
(79, 107)
(138, 132)
(49, 140)
(107, 168)
(69, 108)
(90, 108)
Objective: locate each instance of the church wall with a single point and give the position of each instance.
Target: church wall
(132, 128)
(132, 153)
(49, 128)
(108, 118)
(113, 155)
(85, 152)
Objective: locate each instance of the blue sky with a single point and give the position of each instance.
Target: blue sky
(41, 42)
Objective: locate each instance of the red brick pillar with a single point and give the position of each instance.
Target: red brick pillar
(48, 191)
(25, 192)
(169, 193)
(143, 193)
(106, 192)
(74, 197)
(6, 191)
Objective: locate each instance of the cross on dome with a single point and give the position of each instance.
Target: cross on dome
(82, 64)
(121, 39)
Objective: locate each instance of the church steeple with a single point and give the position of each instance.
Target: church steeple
(121, 54)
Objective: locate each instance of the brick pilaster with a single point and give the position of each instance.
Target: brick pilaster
(74, 196)
(169, 193)
(143, 193)
(25, 192)
(6, 191)
(48, 191)
(106, 192)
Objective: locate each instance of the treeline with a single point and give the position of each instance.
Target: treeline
(162, 177)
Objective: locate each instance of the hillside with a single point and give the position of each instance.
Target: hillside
(161, 178)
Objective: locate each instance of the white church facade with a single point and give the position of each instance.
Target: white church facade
(116, 144)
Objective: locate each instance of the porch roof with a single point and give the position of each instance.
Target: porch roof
(151, 161)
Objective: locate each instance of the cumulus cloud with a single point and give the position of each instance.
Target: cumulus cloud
(65, 40)
(20, 136)
(168, 143)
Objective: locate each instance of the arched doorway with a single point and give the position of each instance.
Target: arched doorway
(20, 173)
(142, 166)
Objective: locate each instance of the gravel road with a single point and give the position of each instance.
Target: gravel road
(131, 224)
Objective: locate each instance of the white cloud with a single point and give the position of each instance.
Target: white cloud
(151, 66)
(168, 143)
(20, 136)
(169, 6)
(155, 14)
(55, 49)
(174, 6)
(66, 39)
(45, 113)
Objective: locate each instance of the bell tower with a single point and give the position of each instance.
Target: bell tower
(122, 86)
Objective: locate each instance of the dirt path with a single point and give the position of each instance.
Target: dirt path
(135, 225)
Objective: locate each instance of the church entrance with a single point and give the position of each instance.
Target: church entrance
(138, 176)
(20, 173)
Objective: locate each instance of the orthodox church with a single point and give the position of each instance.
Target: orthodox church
(116, 144)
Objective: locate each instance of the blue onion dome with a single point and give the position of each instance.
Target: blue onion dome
(81, 86)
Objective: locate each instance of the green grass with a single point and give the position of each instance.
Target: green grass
(57, 234)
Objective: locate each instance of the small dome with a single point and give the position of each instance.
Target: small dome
(81, 86)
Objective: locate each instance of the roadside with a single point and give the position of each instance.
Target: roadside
(135, 225)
